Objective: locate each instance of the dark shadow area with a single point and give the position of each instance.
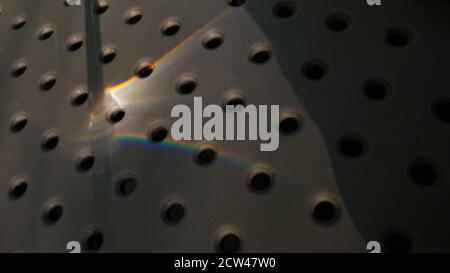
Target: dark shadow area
(368, 78)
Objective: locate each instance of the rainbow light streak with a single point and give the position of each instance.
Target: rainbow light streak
(165, 57)
(121, 85)
(184, 148)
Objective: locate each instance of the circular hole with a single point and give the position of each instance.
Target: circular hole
(261, 181)
(325, 212)
(133, 16)
(75, 43)
(94, 239)
(376, 89)
(352, 146)
(284, 9)
(213, 40)
(19, 69)
(158, 133)
(236, 3)
(79, 97)
(234, 100)
(49, 141)
(424, 172)
(144, 70)
(107, 55)
(170, 27)
(18, 188)
(441, 109)
(45, 33)
(54, 212)
(260, 54)
(101, 7)
(399, 37)
(126, 185)
(18, 123)
(205, 156)
(290, 124)
(338, 22)
(315, 70)
(213, 43)
(47, 82)
(174, 212)
(19, 22)
(85, 162)
(230, 243)
(116, 116)
(186, 85)
(396, 242)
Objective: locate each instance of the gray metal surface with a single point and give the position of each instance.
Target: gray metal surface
(375, 193)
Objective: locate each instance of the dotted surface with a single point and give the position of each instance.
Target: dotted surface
(86, 153)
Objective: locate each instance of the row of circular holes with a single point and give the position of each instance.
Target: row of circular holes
(315, 71)
(397, 37)
(173, 211)
(283, 9)
(423, 171)
(54, 211)
(260, 181)
(212, 40)
(396, 239)
(185, 87)
(375, 88)
(170, 27)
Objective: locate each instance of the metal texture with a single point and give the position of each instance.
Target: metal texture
(367, 86)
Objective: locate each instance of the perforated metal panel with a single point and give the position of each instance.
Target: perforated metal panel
(364, 150)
